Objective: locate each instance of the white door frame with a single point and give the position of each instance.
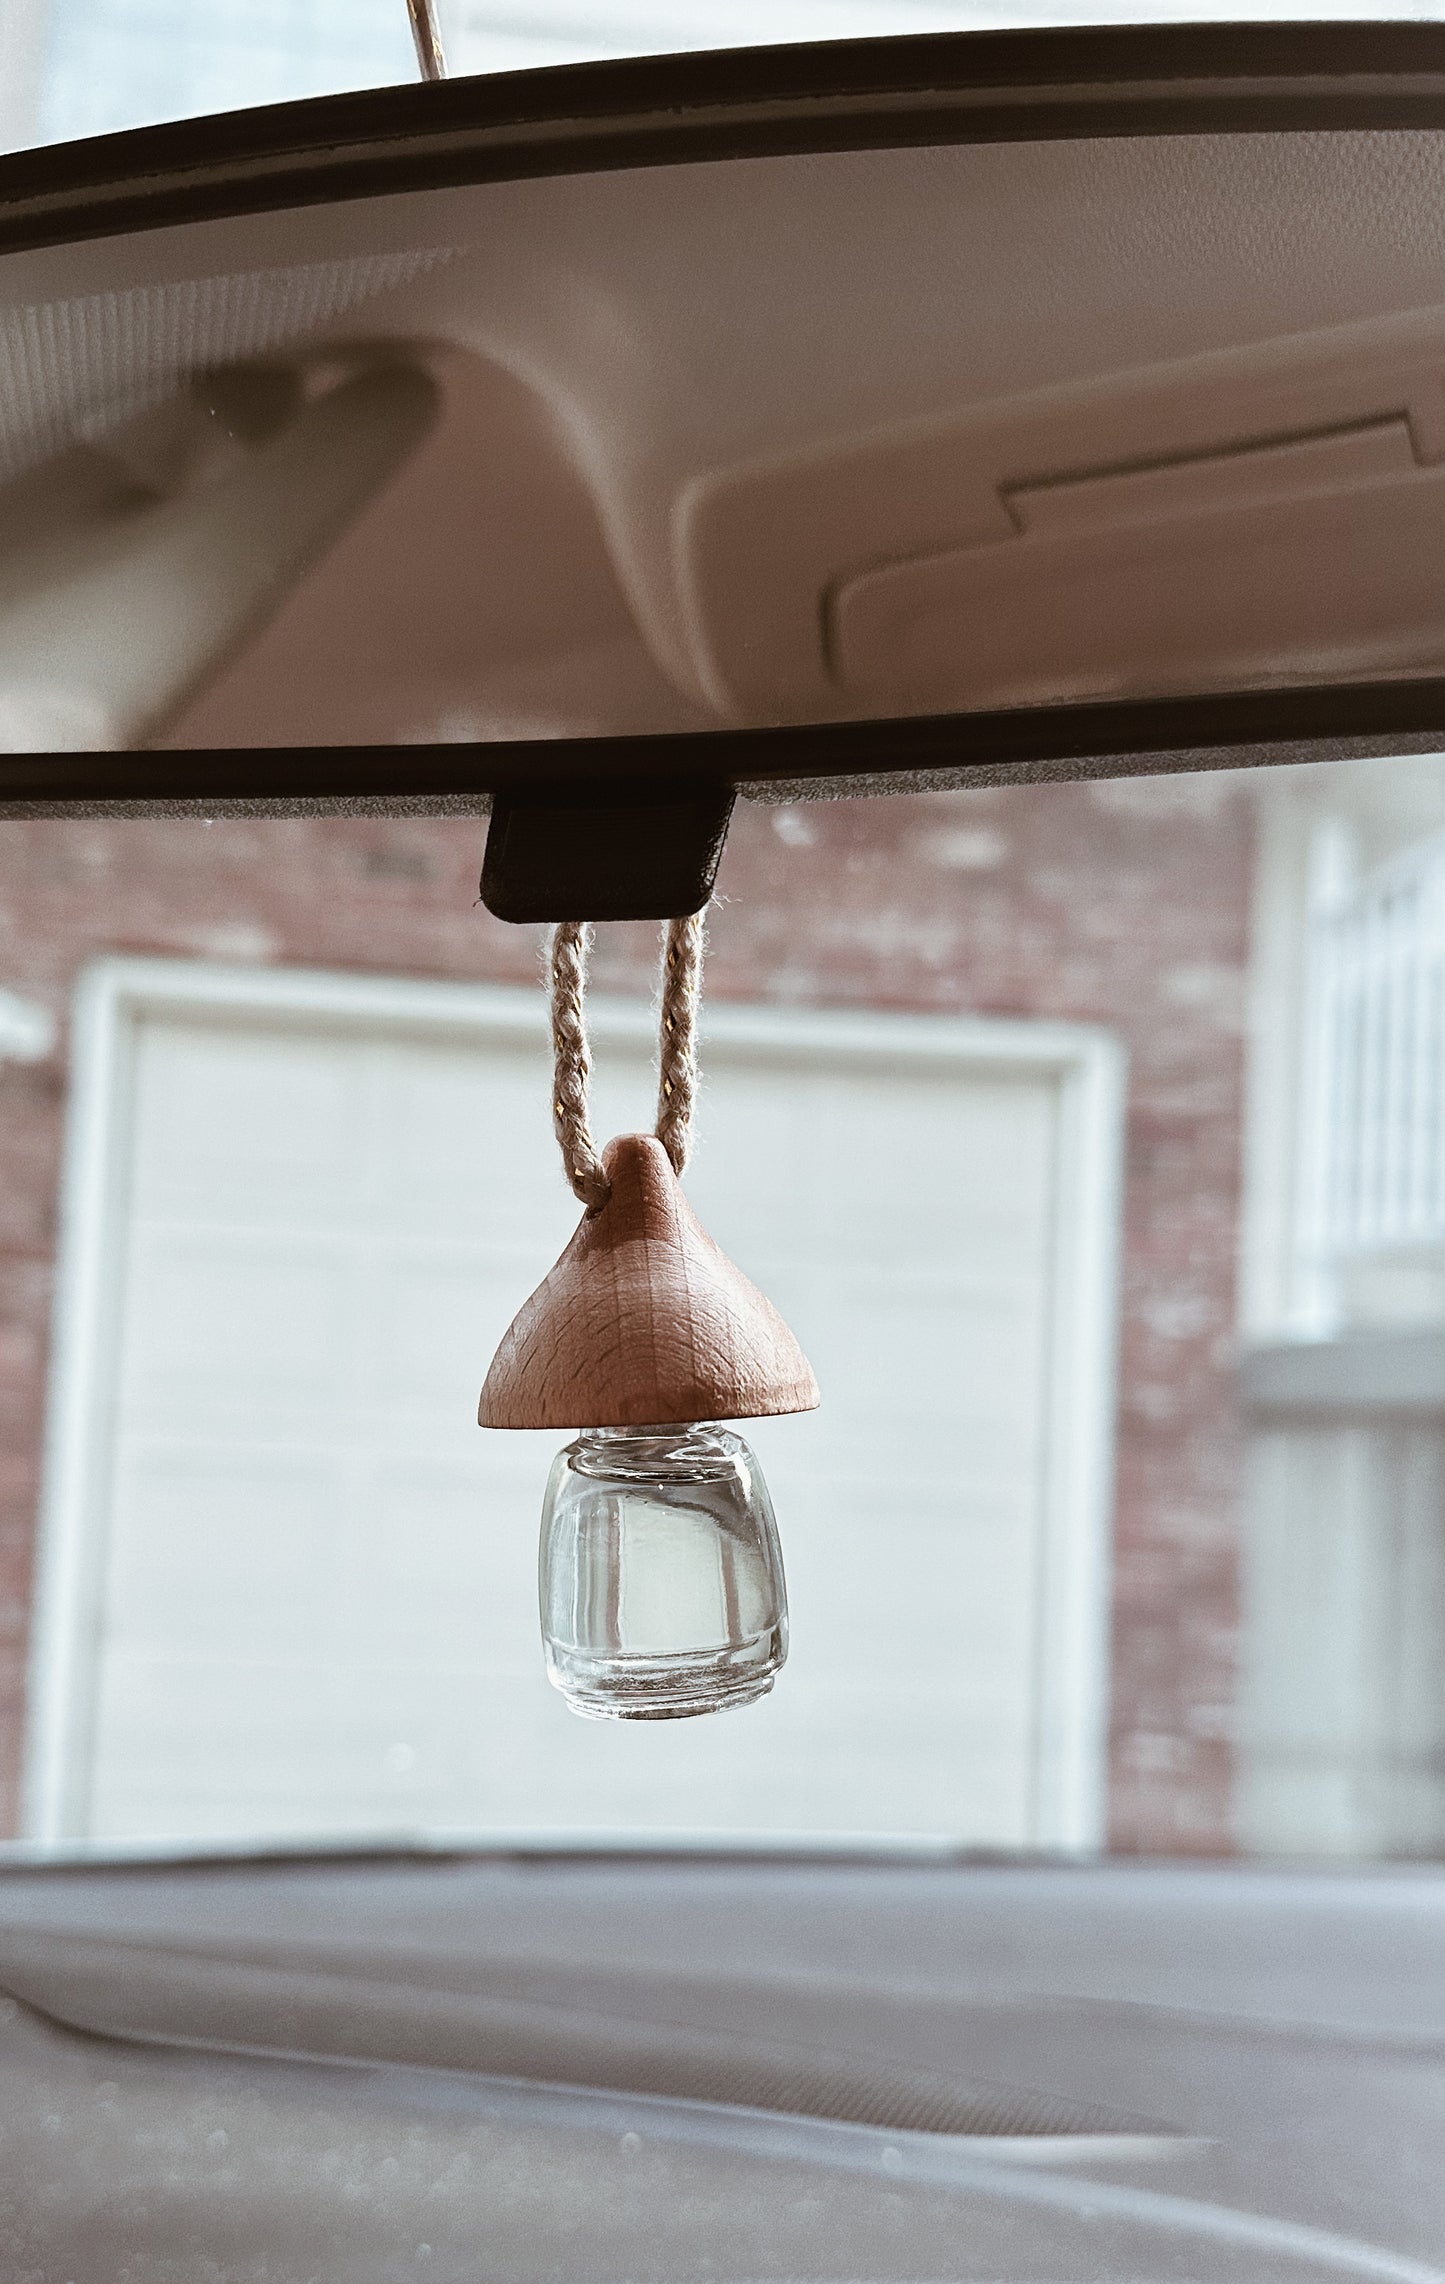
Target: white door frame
(115, 995)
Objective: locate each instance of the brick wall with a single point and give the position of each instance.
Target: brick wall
(1122, 904)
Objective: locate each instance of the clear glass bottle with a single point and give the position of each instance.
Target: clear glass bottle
(661, 1577)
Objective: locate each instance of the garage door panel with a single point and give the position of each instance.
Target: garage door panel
(255, 1121)
(896, 1174)
(399, 1762)
(926, 1362)
(437, 1113)
(417, 1751)
(243, 1319)
(936, 1625)
(317, 1599)
(194, 1537)
(800, 1768)
(359, 1565)
(440, 1563)
(431, 1325)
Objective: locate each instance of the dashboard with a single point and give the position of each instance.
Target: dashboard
(667, 2067)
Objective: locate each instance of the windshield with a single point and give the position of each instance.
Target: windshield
(71, 68)
(1088, 1137)
(1030, 1325)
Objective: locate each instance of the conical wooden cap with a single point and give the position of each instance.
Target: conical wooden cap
(644, 1321)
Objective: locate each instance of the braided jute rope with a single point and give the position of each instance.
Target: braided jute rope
(677, 1076)
(567, 959)
(567, 956)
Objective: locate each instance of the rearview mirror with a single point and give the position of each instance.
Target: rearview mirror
(921, 404)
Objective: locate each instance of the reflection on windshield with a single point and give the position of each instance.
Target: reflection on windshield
(1091, 1138)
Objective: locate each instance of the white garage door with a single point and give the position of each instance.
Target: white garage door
(289, 1586)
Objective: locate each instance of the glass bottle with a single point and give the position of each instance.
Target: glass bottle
(661, 1576)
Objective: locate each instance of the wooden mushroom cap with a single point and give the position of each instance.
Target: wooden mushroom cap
(644, 1320)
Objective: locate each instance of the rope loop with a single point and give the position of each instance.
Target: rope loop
(572, 1060)
(677, 1074)
(568, 952)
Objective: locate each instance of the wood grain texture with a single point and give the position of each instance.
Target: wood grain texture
(643, 1320)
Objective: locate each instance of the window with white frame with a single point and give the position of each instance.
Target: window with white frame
(1341, 1732)
(1344, 1223)
(1372, 1137)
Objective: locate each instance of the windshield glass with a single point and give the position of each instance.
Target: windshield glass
(1088, 1137)
(71, 68)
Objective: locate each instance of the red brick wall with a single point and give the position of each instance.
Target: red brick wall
(1120, 904)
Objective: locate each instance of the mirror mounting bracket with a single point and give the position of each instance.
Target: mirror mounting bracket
(641, 852)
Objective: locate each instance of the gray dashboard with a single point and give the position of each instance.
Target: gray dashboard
(719, 2068)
